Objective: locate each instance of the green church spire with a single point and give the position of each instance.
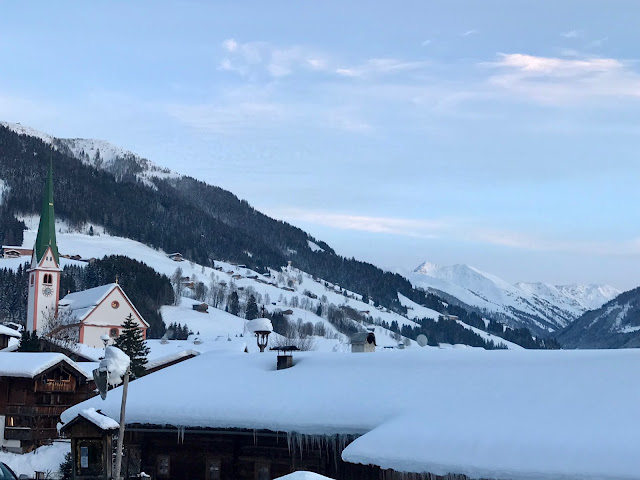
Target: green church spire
(47, 228)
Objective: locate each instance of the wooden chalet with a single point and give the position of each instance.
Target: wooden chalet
(10, 251)
(6, 334)
(35, 388)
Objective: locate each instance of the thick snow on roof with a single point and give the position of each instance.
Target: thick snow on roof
(303, 476)
(259, 325)
(503, 414)
(30, 364)
(9, 332)
(97, 418)
(81, 303)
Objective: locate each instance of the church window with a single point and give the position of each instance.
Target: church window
(113, 333)
(115, 304)
(32, 277)
(48, 278)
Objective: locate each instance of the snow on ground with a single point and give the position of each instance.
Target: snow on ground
(303, 476)
(518, 415)
(43, 459)
(3, 188)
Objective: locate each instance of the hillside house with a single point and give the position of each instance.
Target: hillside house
(6, 334)
(10, 251)
(363, 342)
(35, 388)
(99, 311)
(201, 307)
(176, 257)
(326, 415)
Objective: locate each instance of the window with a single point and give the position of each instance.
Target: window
(262, 471)
(115, 304)
(163, 466)
(48, 278)
(213, 469)
(32, 277)
(113, 333)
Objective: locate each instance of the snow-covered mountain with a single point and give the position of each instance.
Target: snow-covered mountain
(616, 324)
(100, 154)
(541, 307)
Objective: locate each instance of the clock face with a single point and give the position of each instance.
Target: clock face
(47, 291)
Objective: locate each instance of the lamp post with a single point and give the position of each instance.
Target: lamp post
(125, 387)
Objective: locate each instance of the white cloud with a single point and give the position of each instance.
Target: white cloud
(457, 229)
(571, 34)
(230, 45)
(469, 33)
(562, 80)
(426, 42)
(380, 66)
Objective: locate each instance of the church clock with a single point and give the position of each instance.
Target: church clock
(47, 291)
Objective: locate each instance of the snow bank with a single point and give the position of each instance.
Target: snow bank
(259, 325)
(97, 418)
(116, 362)
(43, 459)
(303, 476)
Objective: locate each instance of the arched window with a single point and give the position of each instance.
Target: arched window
(113, 333)
(48, 278)
(32, 277)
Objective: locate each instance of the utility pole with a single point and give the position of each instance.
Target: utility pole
(125, 387)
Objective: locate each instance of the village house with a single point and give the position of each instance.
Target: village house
(413, 414)
(10, 251)
(6, 334)
(363, 342)
(176, 257)
(99, 311)
(34, 389)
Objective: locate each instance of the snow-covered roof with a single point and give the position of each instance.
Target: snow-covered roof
(82, 303)
(98, 419)
(10, 332)
(456, 410)
(30, 364)
(303, 476)
(259, 325)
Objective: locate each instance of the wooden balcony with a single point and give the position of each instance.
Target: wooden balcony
(55, 386)
(36, 410)
(29, 434)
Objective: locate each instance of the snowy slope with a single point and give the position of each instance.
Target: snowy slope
(543, 308)
(218, 323)
(614, 325)
(100, 154)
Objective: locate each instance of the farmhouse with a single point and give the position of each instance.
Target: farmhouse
(34, 389)
(485, 414)
(363, 342)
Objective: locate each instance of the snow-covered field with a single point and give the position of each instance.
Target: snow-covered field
(44, 459)
(518, 415)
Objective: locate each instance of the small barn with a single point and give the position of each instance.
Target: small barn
(363, 342)
(6, 334)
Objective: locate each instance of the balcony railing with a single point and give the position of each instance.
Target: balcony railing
(21, 433)
(36, 410)
(55, 386)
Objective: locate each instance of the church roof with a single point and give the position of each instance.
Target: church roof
(47, 229)
(82, 303)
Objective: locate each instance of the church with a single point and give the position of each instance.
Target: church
(92, 317)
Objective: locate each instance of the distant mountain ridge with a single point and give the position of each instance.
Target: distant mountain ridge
(541, 307)
(616, 324)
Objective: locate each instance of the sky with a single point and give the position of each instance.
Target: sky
(500, 134)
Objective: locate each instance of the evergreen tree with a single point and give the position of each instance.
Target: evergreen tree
(66, 467)
(252, 308)
(131, 342)
(29, 342)
(234, 304)
(319, 310)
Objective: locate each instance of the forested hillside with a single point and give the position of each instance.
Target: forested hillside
(203, 222)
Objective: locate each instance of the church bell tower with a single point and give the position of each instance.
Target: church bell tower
(44, 273)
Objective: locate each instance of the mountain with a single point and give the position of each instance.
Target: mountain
(540, 307)
(616, 324)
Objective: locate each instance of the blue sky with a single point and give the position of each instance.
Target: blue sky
(500, 134)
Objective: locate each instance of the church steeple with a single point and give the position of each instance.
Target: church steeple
(47, 229)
